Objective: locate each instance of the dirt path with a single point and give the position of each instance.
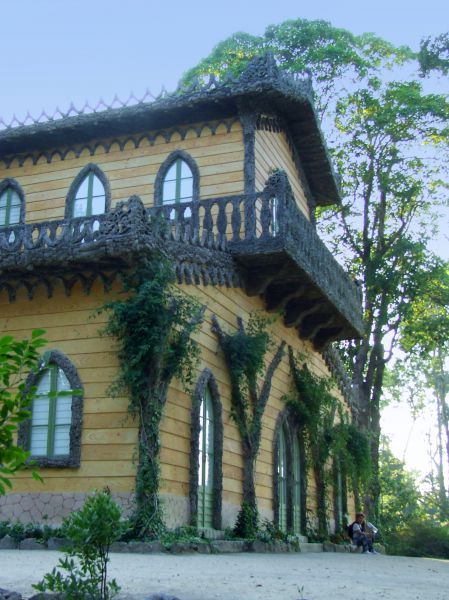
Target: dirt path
(323, 576)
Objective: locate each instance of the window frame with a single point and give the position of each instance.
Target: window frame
(89, 171)
(176, 157)
(296, 512)
(71, 460)
(206, 380)
(12, 184)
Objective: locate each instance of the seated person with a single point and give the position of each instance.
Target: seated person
(360, 536)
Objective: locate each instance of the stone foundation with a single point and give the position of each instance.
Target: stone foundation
(49, 508)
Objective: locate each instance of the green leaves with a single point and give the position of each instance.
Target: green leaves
(91, 531)
(17, 358)
(153, 327)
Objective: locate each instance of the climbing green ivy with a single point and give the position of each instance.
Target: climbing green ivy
(153, 325)
(314, 409)
(245, 352)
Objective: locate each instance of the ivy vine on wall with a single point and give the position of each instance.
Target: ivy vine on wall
(245, 352)
(153, 326)
(314, 408)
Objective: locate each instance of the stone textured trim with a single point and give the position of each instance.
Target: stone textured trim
(73, 459)
(248, 119)
(206, 379)
(165, 166)
(107, 145)
(335, 365)
(290, 430)
(74, 186)
(12, 183)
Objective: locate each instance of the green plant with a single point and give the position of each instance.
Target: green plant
(313, 407)
(247, 523)
(420, 538)
(16, 359)
(91, 531)
(245, 352)
(153, 326)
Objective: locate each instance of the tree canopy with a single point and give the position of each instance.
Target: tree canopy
(389, 139)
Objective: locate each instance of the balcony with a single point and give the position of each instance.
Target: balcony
(261, 241)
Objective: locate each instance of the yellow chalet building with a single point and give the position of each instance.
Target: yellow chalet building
(235, 168)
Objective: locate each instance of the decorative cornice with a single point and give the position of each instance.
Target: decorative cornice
(107, 145)
(262, 84)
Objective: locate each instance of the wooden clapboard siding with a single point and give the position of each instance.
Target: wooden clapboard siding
(109, 435)
(272, 152)
(133, 170)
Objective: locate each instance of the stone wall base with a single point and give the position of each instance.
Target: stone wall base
(51, 508)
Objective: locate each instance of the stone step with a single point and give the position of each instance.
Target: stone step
(310, 547)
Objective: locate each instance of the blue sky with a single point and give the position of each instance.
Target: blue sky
(57, 51)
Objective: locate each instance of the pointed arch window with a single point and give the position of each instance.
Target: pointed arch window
(178, 183)
(53, 433)
(206, 461)
(89, 193)
(177, 180)
(206, 454)
(297, 484)
(289, 478)
(282, 479)
(11, 203)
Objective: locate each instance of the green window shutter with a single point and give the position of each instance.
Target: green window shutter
(282, 480)
(10, 205)
(296, 486)
(51, 415)
(206, 462)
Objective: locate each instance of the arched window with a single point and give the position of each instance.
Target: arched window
(340, 496)
(53, 433)
(282, 479)
(89, 193)
(297, 485)
(206, 461)
(11, 203)
(289, 485)
(206, 454)
(177, 180)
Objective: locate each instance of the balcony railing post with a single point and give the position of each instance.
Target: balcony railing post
(250, 217)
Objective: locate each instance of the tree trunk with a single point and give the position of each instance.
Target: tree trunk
(249, 485)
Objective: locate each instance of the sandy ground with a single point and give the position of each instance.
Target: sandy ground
(251, 576)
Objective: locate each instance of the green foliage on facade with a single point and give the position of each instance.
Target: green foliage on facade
(314, 408)
(245, 352)
(153, 326)
(17, 359)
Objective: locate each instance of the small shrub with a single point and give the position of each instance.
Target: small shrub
(91, 531)
(247, 523)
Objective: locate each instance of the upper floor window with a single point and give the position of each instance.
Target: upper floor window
(89, 193)
(178, 183)
(11, 201)
(177, 180)
(53, 433)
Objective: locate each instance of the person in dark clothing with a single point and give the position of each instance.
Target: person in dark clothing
(360, 537)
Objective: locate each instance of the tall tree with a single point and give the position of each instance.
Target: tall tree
(384, 136)
(425, 339)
